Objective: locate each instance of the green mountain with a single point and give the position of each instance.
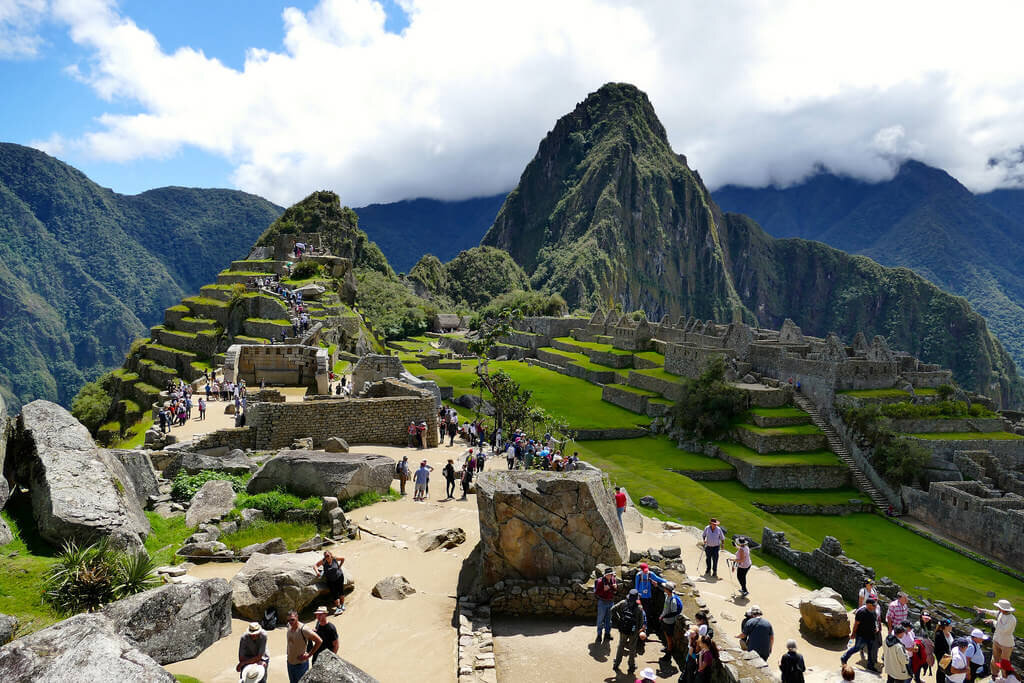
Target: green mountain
(923, 219)
(406, 230)
(607, 213)
(84, 270)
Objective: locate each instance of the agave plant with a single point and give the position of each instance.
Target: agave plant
(136, 572)
(86, 578)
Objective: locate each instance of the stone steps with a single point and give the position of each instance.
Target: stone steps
(860, 480)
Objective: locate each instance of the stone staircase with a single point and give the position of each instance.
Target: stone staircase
(860, 480)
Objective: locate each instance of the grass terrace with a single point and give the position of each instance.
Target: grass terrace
(773, 431)
(206, 301)
(966, 436)
(741, 452)
(243, 339)
(875, 393)
(658, 452)
(179, 308)
(170, 349)
(659, 373)
(594, 346)
(276, 321)
(135, 435)
(246, 273)
(784, 411)
(652, 356)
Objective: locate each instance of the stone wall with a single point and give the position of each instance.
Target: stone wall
(689, 361)
(787, 476)
(234, 437)
(972, 424)
(974, 514)
(374, 368)
(1010, 452)
(779, 443)
(827, 565)
(624, 398)
(838, 509)
(669, 389)
(281, 364)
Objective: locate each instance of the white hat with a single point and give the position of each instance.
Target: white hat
(253, 673)
(1004, 605)
(254, 627)
(648, 675)
(978, 633)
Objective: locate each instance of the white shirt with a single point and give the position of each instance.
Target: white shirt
(743, 557)
(1004, 627)
(959, 661)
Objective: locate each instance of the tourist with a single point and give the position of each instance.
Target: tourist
(976, 656)
(202, 409)
(847, 672)
(453, 428)
(402, 471)
(706, 659)
(421, 434)
(420, 479)
(897, 612)
(449, 478)
(758, 634)
(1004, 671)
(297, 637)
(642, 585)
(897, 663)
(1004, 624)
(742, 564)
(481, 458)
(943, 646)
(703, 627)
(467, 474)
(865, 630)
(620, 504)
(252, 651)
(510, 456)
(647, 675)
(959, 665)
(713, 537)
(334, 576)
(411, 432)
(868, 591)
(327, 632)
(792, 664)
(629, 617)
(669, 614)
(604, 589)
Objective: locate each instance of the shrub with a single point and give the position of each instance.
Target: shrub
(84, 579)
(275, 503)
(709, 404)
(185, 485)
(367, 498)
(91, 405)
(305, 269)
(945, 391)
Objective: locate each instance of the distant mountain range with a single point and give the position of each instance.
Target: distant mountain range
(84, 270)
(923, 219)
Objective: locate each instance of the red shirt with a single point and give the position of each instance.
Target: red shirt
(605, 587)
(620, 500)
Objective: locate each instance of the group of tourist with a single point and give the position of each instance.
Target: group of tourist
(177, 409)
(303, 644)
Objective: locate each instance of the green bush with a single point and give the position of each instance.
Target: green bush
(367, 498)
(91, 405)
(305, 269)
(275, 503)
(709, 405)
(84, 579)
(185, 485)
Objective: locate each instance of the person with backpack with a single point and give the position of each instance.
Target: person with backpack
(865, 630)
(629, 618)
(642, 583)
(297, 638)
(604, 589)
(897, 663)
(402, 472)
(792, 664)
(449, 477)
(669, 614)
(467, 474)
(330, 567)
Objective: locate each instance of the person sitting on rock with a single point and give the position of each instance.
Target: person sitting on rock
(333, 575)
(252, 652)
(628, 616)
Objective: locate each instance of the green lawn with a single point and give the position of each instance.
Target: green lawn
(737, 492)
(660, 373)
(819, 457)
(635, 390)
(771, 431)
(23, 562)
(135, 435)
(595, 346)
(785, 411)
(166, 536)
(581, 360)
(875, 393)
(655, 451)
(293, 533)
(964, 436)
(652, 356)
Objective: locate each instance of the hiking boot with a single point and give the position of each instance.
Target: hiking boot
(607, 637)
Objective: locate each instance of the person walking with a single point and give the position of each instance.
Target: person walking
(897, 663)
(642, 583)
(604, 590)
(402, 470)
(629, 617)
(792, 664)
(297, 637)
(669, 615)
(327, 632)
(897, 612)
(620, 503)
(743, 564)
(202, 409)
(713, 537)
(1004, 624)
(467, 474)
(865, 630)
(449, 477)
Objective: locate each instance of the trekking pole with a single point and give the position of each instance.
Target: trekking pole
(701, 557)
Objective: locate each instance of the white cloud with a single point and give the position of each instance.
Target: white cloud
(751, 92)
(19, 23)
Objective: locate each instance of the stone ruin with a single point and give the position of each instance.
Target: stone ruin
(281, 364)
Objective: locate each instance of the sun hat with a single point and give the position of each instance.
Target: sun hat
(1004, 605)
(755, 609)
(669, 586)
(252, 673)
(254, 627)
(978, 633)
(609, 570)
(742, 540)
(648, 675)
(322, 609)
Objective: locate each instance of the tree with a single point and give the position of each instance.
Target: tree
(709, 404)
(91, 405)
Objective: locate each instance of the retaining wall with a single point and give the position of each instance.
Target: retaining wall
(636, 403)
(779, 443)
(826, 564)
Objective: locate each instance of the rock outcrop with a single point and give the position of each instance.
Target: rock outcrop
(204, 549)
(395, 587)
(8, 627)
(330, 668)
(274, 546)
(285, 581)
(822, 613)
(336, 444)
(141, 473)
(539, 524)
(440, 538)
(78, 491)
(5, 531)
(317, 473)
(86, 647)
(176, 621)
(233, 462)
(212, 501)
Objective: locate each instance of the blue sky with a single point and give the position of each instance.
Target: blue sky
(383, 100)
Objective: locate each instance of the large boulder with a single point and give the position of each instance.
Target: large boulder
(3, 437)
(86, 647)
(440, 538)
(176, 621)
(8, 627)
(316, 473)
(395, 587)
(539, 524)
(330, 668)
(274, 546)
(232, 462)
(78, 491)
(205, 549)
(822, 613)
(5, 531)
(140, 471)
(336, 444)
(212, 501)
(286, 581)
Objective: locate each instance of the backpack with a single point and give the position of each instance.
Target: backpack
(269, 620)
(398, 469)
(626, 619)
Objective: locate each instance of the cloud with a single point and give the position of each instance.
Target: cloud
(19, 22)
(454, 106)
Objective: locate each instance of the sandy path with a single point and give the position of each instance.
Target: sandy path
(393, 640)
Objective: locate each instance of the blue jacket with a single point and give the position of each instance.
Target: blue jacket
(642, 583)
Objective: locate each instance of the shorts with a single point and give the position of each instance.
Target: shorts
(421, 489)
